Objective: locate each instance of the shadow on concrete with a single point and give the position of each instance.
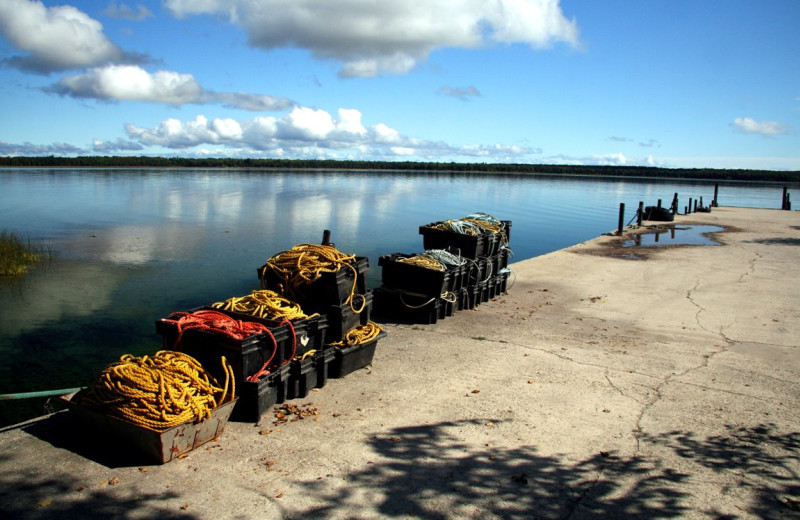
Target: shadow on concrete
(780, 241)
(769, 463)
(60, 431)
(427, 472)
(62, 496)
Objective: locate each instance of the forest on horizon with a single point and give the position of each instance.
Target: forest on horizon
(470, 168)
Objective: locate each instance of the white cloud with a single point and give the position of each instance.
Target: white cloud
(308, 132)
(120, 145)
(54, 38)
(28, 149)
(613, 159)
(306, 124)
(133, 83)
(462, 93)
(371, 38)
(350, 122)
(751, 126)
(124, 12)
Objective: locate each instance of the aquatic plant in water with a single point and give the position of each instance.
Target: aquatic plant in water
(18, 253)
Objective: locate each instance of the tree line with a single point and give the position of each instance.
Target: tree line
(472, 168)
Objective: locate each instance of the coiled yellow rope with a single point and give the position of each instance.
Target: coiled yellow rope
(304, 264)
(263, 304)
(360, 335)
(423, 261)
(158, 392)
(475, 224)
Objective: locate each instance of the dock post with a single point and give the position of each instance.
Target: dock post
(785, 197)
(716, 192)
(640, 213)
(621, 218)
(695, 205)
(326, 237)
(675, 204)
(690, 206)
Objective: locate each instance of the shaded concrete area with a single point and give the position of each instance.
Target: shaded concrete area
(598, 387)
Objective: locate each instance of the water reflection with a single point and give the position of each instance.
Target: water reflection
(675, 235)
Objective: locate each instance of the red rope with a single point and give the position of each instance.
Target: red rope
(214, 321)
(264, 371)
(218, 322)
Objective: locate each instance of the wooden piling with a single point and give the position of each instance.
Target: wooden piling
(621, 218)
(640, 213)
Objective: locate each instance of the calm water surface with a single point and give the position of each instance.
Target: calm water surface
(132, 246)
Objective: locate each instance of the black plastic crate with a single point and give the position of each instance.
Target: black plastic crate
(310, 332)
(391, 304)
(463, 299)
(342, 319)
(349, 359)
(256, 398)
(478, 270)
(246, 356)
(325, 358)
(332, 288)
(412, 278)
(468, 246)
(500, 260)
(475, 295)
(293, 339)
(506, 224)
(302, 377)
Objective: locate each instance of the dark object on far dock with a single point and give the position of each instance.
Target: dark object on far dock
(659, 214)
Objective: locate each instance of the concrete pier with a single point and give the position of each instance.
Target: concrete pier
(609, 382)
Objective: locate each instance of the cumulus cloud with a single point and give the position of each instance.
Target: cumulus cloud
(124, 12)
(55, 38)
(749, 125)
(29, 149)
(613, 159)
(462, 93)
(133, 83)
(372, 38)
(120, 145)
(308, 132)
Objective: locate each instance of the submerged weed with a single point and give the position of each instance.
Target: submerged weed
(18, 253)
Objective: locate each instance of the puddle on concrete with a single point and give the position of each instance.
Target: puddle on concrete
(673, 236)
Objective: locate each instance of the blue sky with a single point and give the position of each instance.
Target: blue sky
(672, 83)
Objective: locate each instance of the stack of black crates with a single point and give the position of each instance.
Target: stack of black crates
(276, 354)
(414, 294)
(296, 355)
(342, 299)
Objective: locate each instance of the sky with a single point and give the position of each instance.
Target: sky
(668, 83)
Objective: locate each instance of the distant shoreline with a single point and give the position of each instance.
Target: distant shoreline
(408, 167)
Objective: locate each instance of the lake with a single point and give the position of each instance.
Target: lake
(133, 245)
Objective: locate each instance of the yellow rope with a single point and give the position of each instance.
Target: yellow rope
(360, 335)
(310, 353)
(158, 392)
(423, 261)
(304, 264)
(263, 304)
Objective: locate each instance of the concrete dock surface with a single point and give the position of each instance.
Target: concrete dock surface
(609, 382)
